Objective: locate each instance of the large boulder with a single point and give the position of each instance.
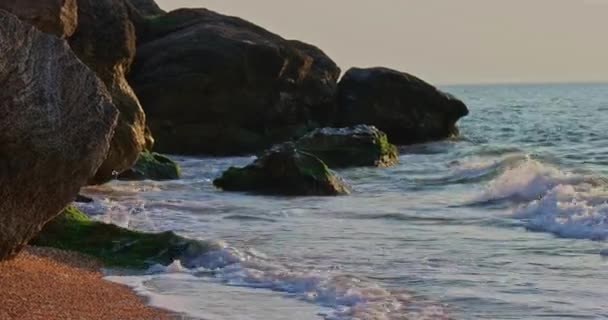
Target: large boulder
(359, 146)
(147, 7)
(105, 41)
(56, 118)
(214, 84)
(284, 170)
(408, 109)
(58, 17)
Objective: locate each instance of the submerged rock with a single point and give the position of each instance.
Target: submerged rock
(83, 199)
(214, 84)
(105, 41)
(58, 17)
(57, 119)
(408, 109)
(284, 170)
(115, 246)
(358, 146)
(152, 166)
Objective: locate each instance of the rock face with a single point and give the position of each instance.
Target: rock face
(105, 41)
(408, 109)
(56, 120)
(152, 166)
(147, 7)
(58, 17)
(283, 170)
(360, 146)
(213, 84)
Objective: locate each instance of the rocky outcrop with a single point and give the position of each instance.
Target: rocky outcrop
(408, 109)
(284, 170)
(152, 166)
(213, 84)
(56, 120)
(105, 41)
(360, 146)
(147, 7)
(73, 230)
(58, 17)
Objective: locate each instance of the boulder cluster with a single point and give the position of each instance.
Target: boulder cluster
(92, 89)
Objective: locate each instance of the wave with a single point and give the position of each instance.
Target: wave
(347, 296)
(108, 211)
(242, 217)
(548, 199)
(529, 180)
(475, 170)
(406, 217)
(569, 211)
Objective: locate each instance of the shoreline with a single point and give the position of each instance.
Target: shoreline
(46, 284)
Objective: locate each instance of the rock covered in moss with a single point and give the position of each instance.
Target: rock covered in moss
(406, 108)
(57, 119)
(115, 246)
(359, 146)
(284, 170)
(152, 166)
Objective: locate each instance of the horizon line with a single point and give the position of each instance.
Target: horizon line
(534, 82)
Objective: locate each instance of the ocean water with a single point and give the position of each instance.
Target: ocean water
(509, 221)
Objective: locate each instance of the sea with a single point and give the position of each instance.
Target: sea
(507, 221)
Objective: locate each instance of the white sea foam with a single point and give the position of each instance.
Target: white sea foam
(348, 297)
(114, 212)
(570, 211)
(529, 180)
(550, 200)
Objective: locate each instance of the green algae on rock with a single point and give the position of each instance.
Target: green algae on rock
(152, 166)
(359, 146)
(284, 170)
(73, 230)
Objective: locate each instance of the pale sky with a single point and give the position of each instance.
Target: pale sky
(443, 41)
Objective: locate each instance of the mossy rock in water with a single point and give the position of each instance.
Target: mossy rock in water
(284, 170)
(115, 246)
(152, 166)
(358, 146)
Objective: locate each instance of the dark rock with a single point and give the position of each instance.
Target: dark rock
(58, 17)
(359, 146)
(213, 84)
(115, 246)
(152, 166)
(408, 109)
(147, 7)
(83, 199)
(105, 41)
(284, 170)
(56, 118)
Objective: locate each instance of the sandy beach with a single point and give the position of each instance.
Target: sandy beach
(47, 284)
